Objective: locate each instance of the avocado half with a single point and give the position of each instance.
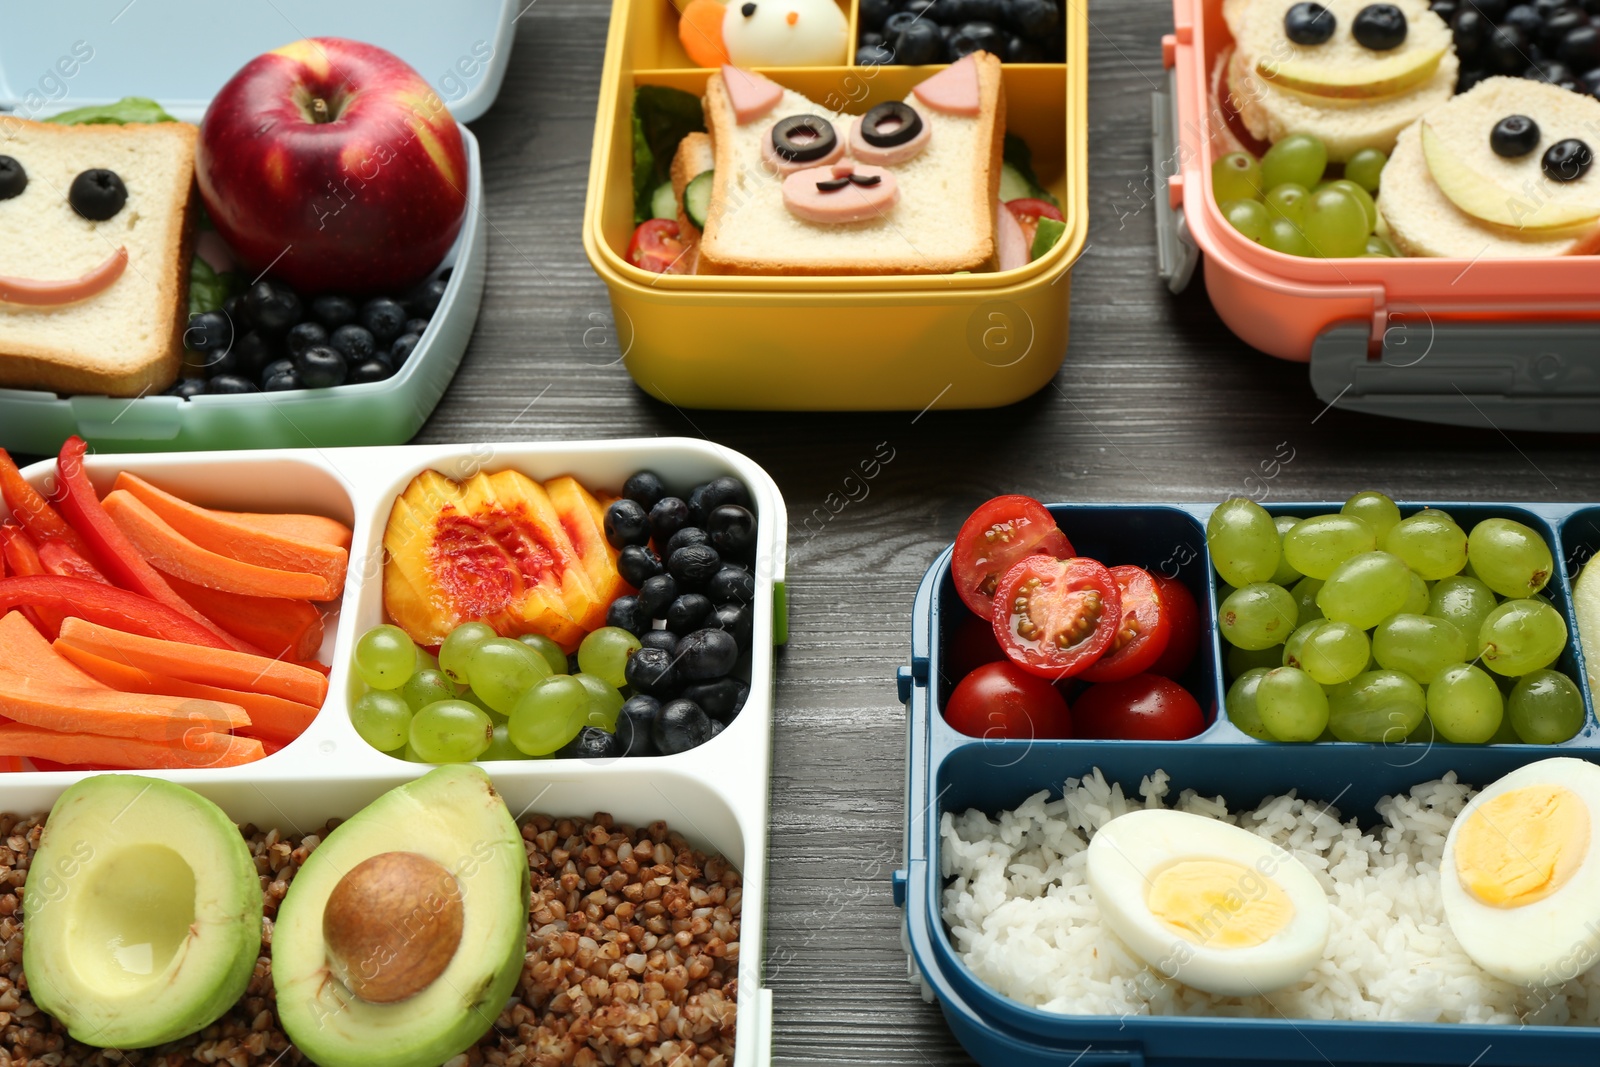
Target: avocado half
(142, 912)
(454, 817)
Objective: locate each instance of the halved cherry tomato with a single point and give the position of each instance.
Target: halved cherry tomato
(1143, 633)
(656, 246)
(994, 538)
(1184, 640)
(970, 647)
(1054, 617)
(1146, 707)
(1029, 211)
(1000, 700)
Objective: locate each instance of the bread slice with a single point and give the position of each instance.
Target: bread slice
(126, 339)
(942, 223)
(1344, 124)
(1422, 221)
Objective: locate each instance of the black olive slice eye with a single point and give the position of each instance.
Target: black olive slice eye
(890, 124)
(803, 138)
(1309, 24)
(1380, 27)
(13, 178)
(1514, 136)
(1567, 161)
(97, 195)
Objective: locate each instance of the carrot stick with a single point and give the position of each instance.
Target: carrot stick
(172, 553)
(283, 629)
(112, 714)
(314, 528)
(194, 663)
(24, 649)
(196, 750)
(29, 508)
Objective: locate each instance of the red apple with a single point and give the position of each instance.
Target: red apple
(336, 165)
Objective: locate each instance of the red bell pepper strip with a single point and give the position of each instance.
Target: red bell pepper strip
(43, 523)
(105, 605)
(23, 559)
(58, 557)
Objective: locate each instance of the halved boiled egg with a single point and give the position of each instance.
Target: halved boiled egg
(1519, 879)
(1209, 904)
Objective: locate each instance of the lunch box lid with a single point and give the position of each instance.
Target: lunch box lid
(55, 57)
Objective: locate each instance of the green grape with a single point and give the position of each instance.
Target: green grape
(1258, 616)
(1316, 546)
(1236, 176)
(382, 719)
(1509, 558)
(450, 731)
(1417, 602)
(502, 669)
(605, 653)
(1287, 203)
(409, 754)
(1335, 223)
(1285, 575)
(1521, 636)
(548, 649)
(1379, 511)
(1465, 602)
(1241, 704)
(1430, 543)
(549, 715)
(385, 657)
(1378, 245)
(1365, 168)
(604, 702)
(458, 645)
(1366, 589)
(1241, 661)
(1419, 645)
(1465, 705)
(1292, 705)
(1249, 217)
(1243, 541)
(477, 701)
(1331, 652)
(1299, 158)
(501, 748)
(1362, 197)
(427, 686)
(1305, 598)
(1376, 707)
(1545, 708)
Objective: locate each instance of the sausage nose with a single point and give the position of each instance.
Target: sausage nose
(794, 17)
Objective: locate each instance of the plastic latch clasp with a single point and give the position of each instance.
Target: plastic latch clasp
(1177, 254)
(1169, 50)
(898, 883)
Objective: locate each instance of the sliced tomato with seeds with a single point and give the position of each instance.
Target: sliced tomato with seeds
(1184, 615)
(1142, 634)
(1054, 617)
(1028, 211)
(995, 538)
(656, 246)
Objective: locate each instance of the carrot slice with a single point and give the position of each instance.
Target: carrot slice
(249, 544)
(104, 711)
(315, 528)
(33, 511)
(172, 553)
(195, 663)
(24, 649)
(283, 629)
(271, 718)
(197, 749)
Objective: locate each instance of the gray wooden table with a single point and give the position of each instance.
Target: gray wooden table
(1156, 401)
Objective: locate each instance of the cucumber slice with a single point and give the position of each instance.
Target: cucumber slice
(663, 205)
(1045, 237)
(697, 198)
(1013, 186)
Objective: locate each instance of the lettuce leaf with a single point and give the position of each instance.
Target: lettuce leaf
(128, 109)
(661, 118)
(1020, 156)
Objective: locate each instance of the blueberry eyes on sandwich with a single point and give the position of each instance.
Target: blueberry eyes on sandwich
(1514, 136)
(13, 179)
(1309, 24)
(1567, 161)
(803, 138)
(97, 195)
(1379, 27)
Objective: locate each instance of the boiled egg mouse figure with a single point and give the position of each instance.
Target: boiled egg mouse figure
(764, 33)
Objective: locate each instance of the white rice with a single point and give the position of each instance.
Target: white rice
(1021, 916)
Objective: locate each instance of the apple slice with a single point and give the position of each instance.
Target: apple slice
(1315, 75)
(1489, 201)
(1586, 606)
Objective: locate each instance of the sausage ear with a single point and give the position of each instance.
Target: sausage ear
(751, 95)
(954, 90)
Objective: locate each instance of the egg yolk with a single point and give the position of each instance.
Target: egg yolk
(1219, 904)
(1523, 845)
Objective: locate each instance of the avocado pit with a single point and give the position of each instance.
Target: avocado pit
(392, 925)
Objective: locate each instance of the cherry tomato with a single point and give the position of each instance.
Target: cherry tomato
(971, 646)
(1054, 617)
(655, 246)
(1184, 641)
(1029, 211)
(1143, 633)
(1000, 533)
(1146, 707)
(998, 700)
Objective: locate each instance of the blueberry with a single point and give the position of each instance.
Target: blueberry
(1444, 8)
(402, 348)
(873, 55)
(689, 535)
(1022, 50)
(1495, 10)
(238, 314)
(1525, 18)
(721, 699)
(707, 654)
(1506, 50)
(1564, 161)
(667, 517)
(688, 613)
(976, 37)
(1591, 81)
(873, 12)
(209, 331)
(1580, 49)
(1469, 77)
(656, 594)
(424, 300)
(626, 524)
(416, 326)
(225, 384)
(1513, 136)
(644, 488)
(321, 367)
(246, 357)
(680, 726)
(870, 39)
(1591, 7)
(354, 342)
(995, 11)
(636, 724)
(626, 613)
(283, 381)
(333, 311)
(304, 335)
(383, 318)
(1380, 27)
(273, 306)
(918, 44)
(694, 565)
(1553, 71)
(376, 369)
(277, 366)
(1469, 30)
(717, 727)
(732, 585)
(591, 743)
(651, 670)
(736, 620)
(1309, 24)
(733, 530)
(637, 564)
(187, 387)
(925, 10)
(720, 491)
(1036, 19)
(664, 639)
(1556, 27)
(897, 22)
